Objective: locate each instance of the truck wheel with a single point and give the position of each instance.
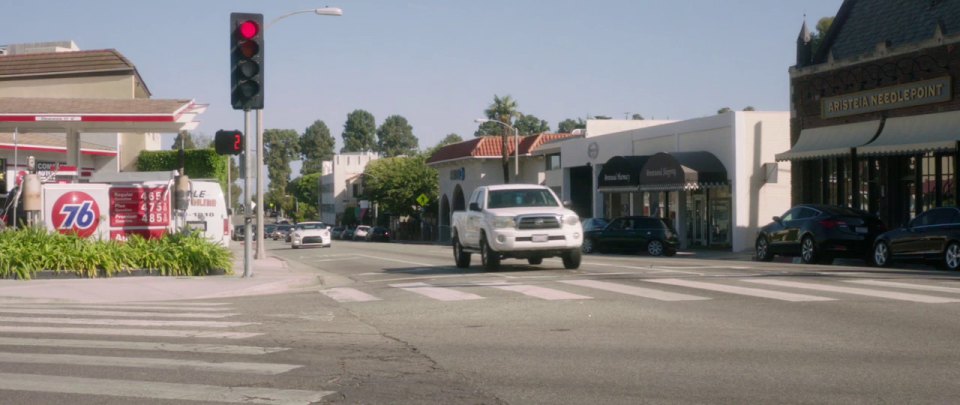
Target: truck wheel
(535, 260)
(571, 259)
(459, 256)
(489, 257)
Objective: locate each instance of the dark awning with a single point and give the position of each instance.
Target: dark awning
(682, 171)
(621, 174)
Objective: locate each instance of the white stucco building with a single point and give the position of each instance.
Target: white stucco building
(340, 187)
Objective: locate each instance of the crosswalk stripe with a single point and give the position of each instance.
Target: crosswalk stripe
(858, 291)
(119, 307)
(157, 390)
(348, 295)
(128, 332)
(177, 304)
(753, 292)
(635, 291)
(39, 311)
(538, 292)
(437, 293)
(145, 362)
(906, 286)
(143, 346)
(125, 322)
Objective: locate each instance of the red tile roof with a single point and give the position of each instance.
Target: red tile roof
(491, 147)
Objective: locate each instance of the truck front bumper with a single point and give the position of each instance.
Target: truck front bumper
(516, 243)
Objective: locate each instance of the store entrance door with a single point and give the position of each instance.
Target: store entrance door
(697, 229)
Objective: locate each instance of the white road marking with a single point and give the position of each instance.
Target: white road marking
(635, 291)
(128, 332)
(348, 295)
(144, 346)
(125, 322)
(652, 269)
(906, 286)
(437, 293)
(145, 362)
(541, 292)
(157, 390)
(176, 304)
(753, 292)
(41, 311)
(139, 307)
(858, 291)
(401, 261)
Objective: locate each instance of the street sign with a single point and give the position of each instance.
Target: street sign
(423, 200)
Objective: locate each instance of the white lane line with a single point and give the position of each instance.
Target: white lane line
(907, 286)
(635, 291)
(858, 291)
(343, 294)
(125, 322)
(401, 261)
(176, 304)
(123, 306)
(437, 293)
(143, 346)
(128, 332)
(753, 292)
(137, 314)
(157, 390)
(146, 362)
(542, 292)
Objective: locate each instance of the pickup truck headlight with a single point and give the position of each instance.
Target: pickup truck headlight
(504, 222)
(571, 220)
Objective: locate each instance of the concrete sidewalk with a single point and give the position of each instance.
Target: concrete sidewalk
(270, 276)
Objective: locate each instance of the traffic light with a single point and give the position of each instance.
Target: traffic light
(228, 142)
(246, 61)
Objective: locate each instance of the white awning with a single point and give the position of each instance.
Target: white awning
(834, 140)
(918, 133)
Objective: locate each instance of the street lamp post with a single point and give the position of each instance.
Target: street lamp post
(261, 251)
(516, 142)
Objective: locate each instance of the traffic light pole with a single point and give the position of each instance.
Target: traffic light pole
(247, 229)
(261, 250)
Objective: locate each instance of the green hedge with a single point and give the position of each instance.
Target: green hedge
(30, 250)
(198, 163)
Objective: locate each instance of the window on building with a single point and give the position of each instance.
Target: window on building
(553, 161)
(356, 190)
(948, 196)
(830, 181)
(846, 178)
(928, 182)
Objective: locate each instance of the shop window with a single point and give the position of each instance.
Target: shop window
(553, 161)
(812, 181)
(863, 168)
(948, 196)
(720, 216)
(829, 181)
(846, 179)
(928, 182)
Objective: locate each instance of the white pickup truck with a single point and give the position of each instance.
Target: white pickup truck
(524, 221)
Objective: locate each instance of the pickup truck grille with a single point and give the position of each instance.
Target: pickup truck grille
(538, 222)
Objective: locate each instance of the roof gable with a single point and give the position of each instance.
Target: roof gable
(68, 64)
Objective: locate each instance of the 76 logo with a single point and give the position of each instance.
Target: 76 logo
(79, 216)
(76, 212)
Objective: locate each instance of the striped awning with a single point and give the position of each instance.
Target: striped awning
(916, 134)
(831, 141)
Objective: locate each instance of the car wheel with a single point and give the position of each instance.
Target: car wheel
(489, 257)
(535, 260)
(808, 251)
(655, 248)
(459, 256)
(587, 246)
(763, 249)
(571, 260)
(951, 256)
(881, 254)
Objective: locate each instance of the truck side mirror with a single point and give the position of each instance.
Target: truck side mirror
(474, 206)
(567, 204)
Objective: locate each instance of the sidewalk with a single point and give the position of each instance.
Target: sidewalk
(270, 276)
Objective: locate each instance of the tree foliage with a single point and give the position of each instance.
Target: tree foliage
(488, 129)
(568, 125)
(636, 117)
(724, 110)
(281, 146)
(447, 140)
(184, 139)
(529, 124)
(198, 163)
(395, 183)
(503, 110)
(395, 137)
(316, 145)
(823, 25)
(359, 132)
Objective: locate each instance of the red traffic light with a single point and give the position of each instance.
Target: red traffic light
(248, 29)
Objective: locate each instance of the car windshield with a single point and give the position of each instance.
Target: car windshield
(312, 225)
(521, 198)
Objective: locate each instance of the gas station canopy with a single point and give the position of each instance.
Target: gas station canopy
(97, 115)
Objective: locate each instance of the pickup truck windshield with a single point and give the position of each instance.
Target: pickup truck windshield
(521, 198)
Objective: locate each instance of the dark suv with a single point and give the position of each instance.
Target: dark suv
(819, 233)
(931, 236)
(632, 234)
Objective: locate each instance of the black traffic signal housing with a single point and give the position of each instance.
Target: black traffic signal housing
(246, 61)
(228, 142)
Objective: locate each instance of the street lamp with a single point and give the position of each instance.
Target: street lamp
(261, 250)
(516, 142)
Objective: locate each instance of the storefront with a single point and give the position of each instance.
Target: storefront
(877, 119)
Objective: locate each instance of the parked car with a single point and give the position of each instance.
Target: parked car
(269, 229)
(379, 234)
(361, 232)
(336, 231)
(347, 233)
(632, 234)
(281, 231)
(590, 224)
(931, 236)
(819, 233)
(238, 233)
(310, 233)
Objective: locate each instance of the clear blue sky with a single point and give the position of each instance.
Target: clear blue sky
(439, 62)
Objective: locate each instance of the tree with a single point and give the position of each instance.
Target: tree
(306, 190)
(636, 117)
(185, 139)
(488, 129)
(531, 125)
(450, 139)
(724, 110)
(602, 117)
(359, 132)
(395, 137)
(316, 145)
(503, 110)
(395, 183)
(568, 125)
(749, 108)
(281, 146)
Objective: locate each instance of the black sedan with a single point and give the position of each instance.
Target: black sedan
(378, 234)
(632, 234)
(819, 233)
(931, 236)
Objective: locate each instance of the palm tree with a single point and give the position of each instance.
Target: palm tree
(504, 110)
